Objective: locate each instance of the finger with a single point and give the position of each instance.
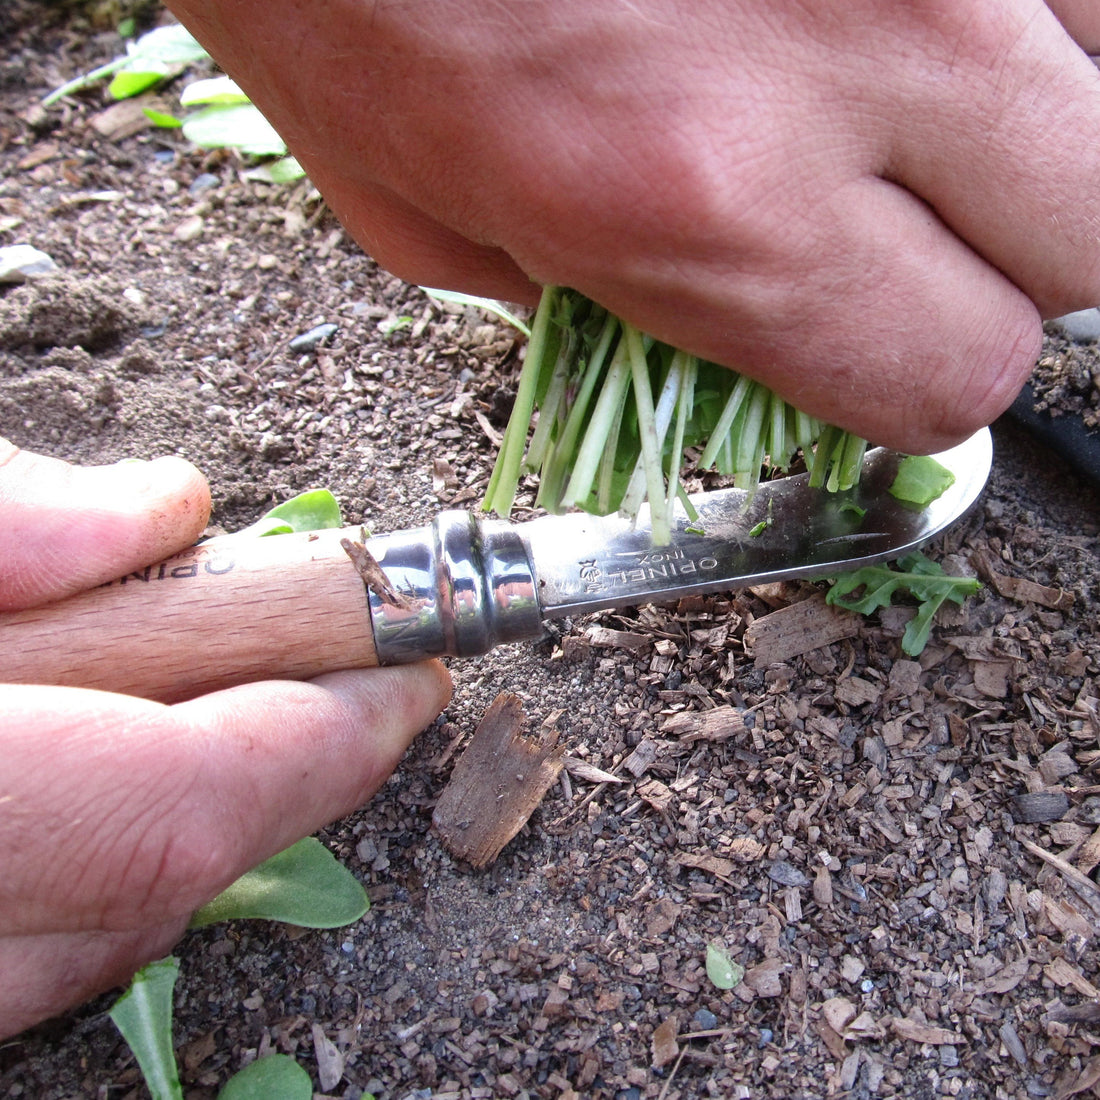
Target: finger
(65, 528)
(117, 813)
(46, 974)
(419, 249)
(1011, 85)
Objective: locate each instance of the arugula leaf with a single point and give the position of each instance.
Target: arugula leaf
(921, 480)
(917, 576)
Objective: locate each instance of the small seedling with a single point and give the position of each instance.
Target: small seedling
(222, 116)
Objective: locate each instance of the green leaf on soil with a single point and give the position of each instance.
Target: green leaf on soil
(216, 89)
(283, 170)
(722, 971)
(313, 510)
(161, 119)
(234, 125)
(874, 586)
(303, 885)
(143, 1014)
(127, 84)
(275, 1077)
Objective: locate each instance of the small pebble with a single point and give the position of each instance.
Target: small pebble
(1082, 325)
(705, 1020)
(19, 262)
(203, 182)
(314, 338)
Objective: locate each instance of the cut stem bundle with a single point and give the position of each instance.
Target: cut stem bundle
(616, 411)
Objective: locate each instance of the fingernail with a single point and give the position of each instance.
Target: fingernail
(150, 477)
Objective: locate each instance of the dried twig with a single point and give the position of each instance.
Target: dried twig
(366, 565)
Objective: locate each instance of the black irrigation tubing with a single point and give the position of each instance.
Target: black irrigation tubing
(1066, 434)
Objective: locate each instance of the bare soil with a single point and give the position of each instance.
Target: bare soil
(901, 854)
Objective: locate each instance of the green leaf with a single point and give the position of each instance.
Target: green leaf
(490, 305)
(234, 126)
(129, 83)
(303, 885)
(275, 1077)
(921, 480)
(722, 971)
(153, 57)
(143, 1014)
(917, 576)
(216, 89)
(283, 170)
(155, 53)
(313, 510)
(172, 44)
(161, 119)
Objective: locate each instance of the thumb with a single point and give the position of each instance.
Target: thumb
(64, 528)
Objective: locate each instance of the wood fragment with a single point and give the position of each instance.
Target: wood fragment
(704, 861)
(374, 577)
(918, 1031)
(716, 724)
(581, 769)
(1086, 889)
(123, 119)
(496, 785)
(856, 691)
(642, 758)
(664, 1044)
(1089, 855)
(765, 979)
(1003, 980)
(1062, 973)
(1036, 807)
(1075, 1083)
(608, 638)
(656, 794)
(800, 628)
(330, 1062)
(1023, 590)
(1011, 1039)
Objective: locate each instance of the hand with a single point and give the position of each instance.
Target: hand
(866, 205)
(119, 817)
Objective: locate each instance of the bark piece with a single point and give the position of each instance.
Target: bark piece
(716, 724)
(497, 783)
(804, 626)
(1036, 807)
(1022, 590)
(918, 1031)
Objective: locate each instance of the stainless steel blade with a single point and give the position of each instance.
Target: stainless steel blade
(468, 584)
(584, 563)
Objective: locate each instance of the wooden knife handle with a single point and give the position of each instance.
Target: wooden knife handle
(221, 613)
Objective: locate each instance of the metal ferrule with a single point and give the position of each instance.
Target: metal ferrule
(467, 585)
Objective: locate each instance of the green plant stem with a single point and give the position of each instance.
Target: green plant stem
(647, 432)
(501, 493)
(605, 416)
